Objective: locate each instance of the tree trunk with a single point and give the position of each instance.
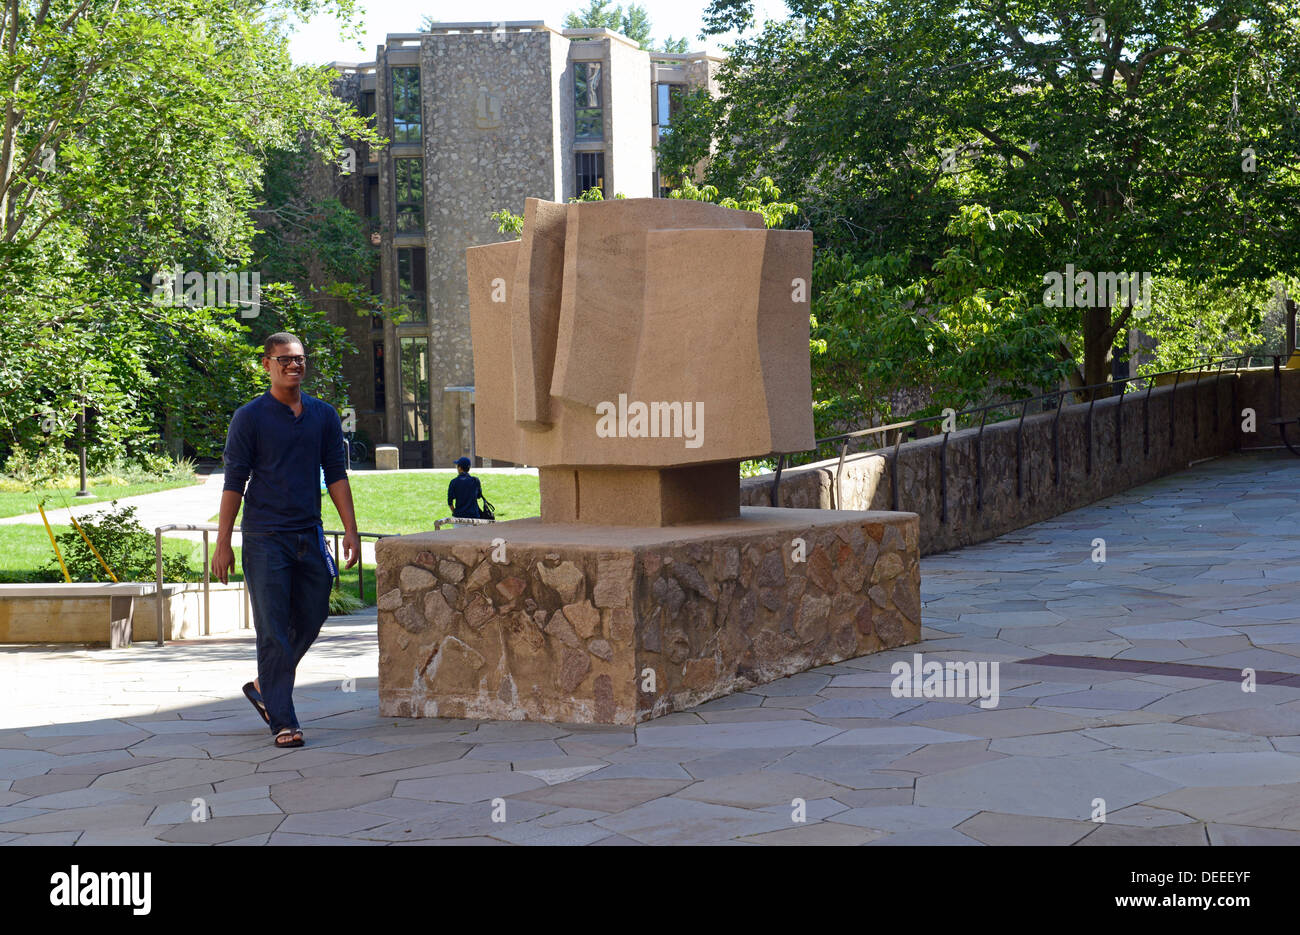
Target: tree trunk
(173, 440)
(1097, 353)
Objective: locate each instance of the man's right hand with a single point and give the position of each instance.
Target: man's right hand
(223, 561)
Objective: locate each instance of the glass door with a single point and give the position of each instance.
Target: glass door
(414, 366)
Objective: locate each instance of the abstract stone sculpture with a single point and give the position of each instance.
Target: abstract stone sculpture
(637, 351)
(644, 588)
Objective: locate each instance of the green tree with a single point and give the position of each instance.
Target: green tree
(633, 22)
(763, 197)
(1143, 136)
(510, 223)
(135, 138)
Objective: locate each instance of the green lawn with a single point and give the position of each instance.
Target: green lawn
(16, 503)
(25, 551)
(406, 503)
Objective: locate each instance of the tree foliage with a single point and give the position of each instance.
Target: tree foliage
(510, 223)
(135, 139)
(762, 197)
(633, 22)
(1125, 136)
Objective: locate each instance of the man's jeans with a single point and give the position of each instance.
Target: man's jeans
(289, 588)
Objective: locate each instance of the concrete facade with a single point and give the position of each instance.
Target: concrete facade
(497, 124)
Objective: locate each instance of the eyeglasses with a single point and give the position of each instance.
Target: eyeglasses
(286, 361)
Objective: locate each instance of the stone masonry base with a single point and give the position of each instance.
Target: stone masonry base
(607, 624)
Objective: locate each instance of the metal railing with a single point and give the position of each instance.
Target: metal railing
(207, 528)
(1277, 420)
(900, 429)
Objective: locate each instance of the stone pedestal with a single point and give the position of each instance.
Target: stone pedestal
(618, 624)
(641, 496)
(387, 458)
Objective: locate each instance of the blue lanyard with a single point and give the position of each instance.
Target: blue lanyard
(324, 550)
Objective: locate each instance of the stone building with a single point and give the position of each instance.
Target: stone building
(479, 117)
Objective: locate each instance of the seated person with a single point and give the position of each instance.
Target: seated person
(463, 492)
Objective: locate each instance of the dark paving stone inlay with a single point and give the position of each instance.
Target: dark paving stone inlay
(1180, 669)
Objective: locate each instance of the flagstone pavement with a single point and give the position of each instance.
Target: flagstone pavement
(1149, 721)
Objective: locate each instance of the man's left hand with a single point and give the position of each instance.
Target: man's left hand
(351, 548)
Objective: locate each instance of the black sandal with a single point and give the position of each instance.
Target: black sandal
(254, 696)
(295, 737)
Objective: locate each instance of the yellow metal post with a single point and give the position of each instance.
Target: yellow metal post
(57, 554)
(77, 526)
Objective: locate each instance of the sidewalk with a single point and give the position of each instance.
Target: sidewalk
(192, 504)
(1120, 688)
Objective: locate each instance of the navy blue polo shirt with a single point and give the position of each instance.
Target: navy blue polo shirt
(284, 455)
(462, 496)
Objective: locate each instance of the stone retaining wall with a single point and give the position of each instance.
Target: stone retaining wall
(983, 498)
(1257, 390)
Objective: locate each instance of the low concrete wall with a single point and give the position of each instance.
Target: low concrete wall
(1157, 433)
(183, 612)
(68, 613)
(116, 614)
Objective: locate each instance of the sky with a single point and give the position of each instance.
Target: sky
(318, 42)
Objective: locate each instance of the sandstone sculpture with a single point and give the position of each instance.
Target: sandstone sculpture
(636, 351)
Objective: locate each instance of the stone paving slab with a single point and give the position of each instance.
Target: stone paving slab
(114, 747)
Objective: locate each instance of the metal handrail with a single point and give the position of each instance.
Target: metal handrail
(206, 528)
(1059, 395)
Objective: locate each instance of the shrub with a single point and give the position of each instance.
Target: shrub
(53, 463)
(126, 546)
(145, 469)
(344, 602)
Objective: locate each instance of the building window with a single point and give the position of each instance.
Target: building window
(408, 183)
(370, 195)
(377, 290)
(415, 389)
(666, 182)
(411, 282)
(590, 115)
(368, 106)
(591, 171)
(380, 397)
(406, 105)
(668, 101)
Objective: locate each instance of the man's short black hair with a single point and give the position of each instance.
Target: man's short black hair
(276, 340)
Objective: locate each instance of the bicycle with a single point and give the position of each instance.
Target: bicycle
(358, 450)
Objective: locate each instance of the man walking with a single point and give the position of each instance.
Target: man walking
(284, 438)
